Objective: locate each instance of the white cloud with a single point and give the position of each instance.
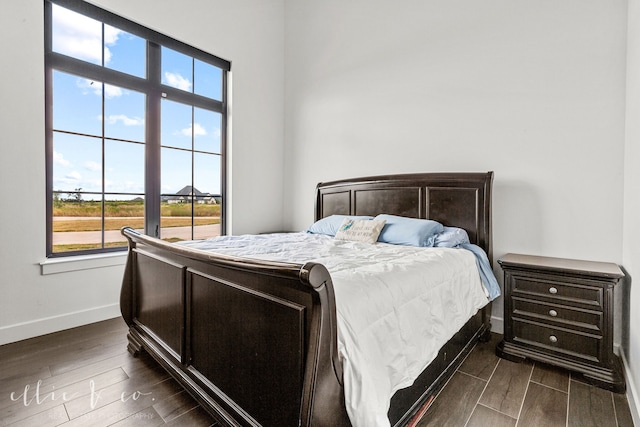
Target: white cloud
(69, 180)
(198, 130)
(125, 186)
(95, 184)
(177, 81)
(96, 87)
(74, 175)
(89, 86)
(112, 91)
(111, 35)
(126, 120)
(81, 37)
(59, 159)
(93, 166)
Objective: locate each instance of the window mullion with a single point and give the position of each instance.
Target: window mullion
(103, 165)
(223, 152)
(152, 148)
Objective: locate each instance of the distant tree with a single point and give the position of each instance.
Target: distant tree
(57, 202)
(76, 195)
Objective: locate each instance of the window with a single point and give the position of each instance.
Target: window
(135, 132)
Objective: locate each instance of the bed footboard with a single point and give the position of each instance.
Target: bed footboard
(253, 342)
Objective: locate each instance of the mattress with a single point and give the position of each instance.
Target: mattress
(396, 306)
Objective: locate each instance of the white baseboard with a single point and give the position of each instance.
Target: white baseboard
(47, 325)
(632, 392)
(497, 325)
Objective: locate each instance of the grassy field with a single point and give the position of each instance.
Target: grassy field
(130, 209)
(85, 246)
(121, 213)
(61, 225)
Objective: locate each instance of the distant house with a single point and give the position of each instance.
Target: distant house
(189, 193)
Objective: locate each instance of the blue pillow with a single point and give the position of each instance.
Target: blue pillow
(451, 237)
(330, 225)
(400, 230)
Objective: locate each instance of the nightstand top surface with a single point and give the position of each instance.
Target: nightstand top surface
(592, 268)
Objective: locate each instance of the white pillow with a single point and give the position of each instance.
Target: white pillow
(358, 230)
(329, 225)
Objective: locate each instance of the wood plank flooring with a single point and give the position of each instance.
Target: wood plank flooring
(489, 391)
(85, 377)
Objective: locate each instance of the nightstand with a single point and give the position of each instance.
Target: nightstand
(560, 311)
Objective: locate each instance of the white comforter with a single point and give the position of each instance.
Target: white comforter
(396, 306)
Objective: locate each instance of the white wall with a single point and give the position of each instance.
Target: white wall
(531, 90)
(631, 239)
(248, 33)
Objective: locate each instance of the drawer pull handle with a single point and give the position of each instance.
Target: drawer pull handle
(553, 339)
(553, 290)
(553, 313)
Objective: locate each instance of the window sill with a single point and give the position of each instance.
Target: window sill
(82, 262)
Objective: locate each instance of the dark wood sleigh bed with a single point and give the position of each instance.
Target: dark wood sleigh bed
(255, 342)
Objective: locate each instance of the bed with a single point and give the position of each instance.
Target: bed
(255, 341)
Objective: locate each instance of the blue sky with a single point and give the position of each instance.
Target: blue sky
(78, 161)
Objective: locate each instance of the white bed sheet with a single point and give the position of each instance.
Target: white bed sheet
(396, 306)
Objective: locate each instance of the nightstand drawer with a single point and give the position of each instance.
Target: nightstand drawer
(567, 317)
(558, 291)
(574, 345)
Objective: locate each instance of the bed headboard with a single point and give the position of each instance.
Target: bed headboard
(451, 198)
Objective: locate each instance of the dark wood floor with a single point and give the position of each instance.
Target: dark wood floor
(85, 377)
(489, 391)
